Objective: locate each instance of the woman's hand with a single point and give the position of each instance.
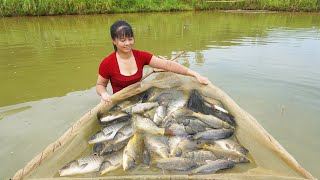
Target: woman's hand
(106, 99)
(201, 79)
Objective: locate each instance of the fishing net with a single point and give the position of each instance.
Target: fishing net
(268, 159)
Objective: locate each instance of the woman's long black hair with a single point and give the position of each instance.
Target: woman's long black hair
(120, 29)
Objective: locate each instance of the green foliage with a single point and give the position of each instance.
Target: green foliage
(59, 7)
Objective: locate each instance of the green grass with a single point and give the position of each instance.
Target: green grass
(63, 7)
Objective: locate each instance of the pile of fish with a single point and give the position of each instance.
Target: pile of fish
(169, 129)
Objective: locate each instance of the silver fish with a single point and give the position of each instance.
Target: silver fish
(105, 148)
(230, 145)
(122, 135)
(213, 166)
(146, 125)
(200, 156)
(86, 164)
(212, 121)
(112, 162)
(107, 133)
(214, 134)
(140, 107)
(170, 118)
(107, 118)
(226, 154)
(160, 114)
(176, 164)
(157, 144)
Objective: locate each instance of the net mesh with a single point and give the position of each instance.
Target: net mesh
(269, 160)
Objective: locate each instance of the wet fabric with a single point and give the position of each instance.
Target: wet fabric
(268, 159)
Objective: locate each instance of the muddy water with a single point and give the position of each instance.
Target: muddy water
(267, 62)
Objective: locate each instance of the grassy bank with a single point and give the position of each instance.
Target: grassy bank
(61, 7)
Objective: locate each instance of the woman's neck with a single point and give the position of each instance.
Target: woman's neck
(123, 55)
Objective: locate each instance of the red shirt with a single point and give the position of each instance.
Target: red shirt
(109, 69)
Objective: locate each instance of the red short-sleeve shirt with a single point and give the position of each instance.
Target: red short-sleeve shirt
(109, 69)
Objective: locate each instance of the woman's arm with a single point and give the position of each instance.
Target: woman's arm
(102, 91)
(172, 66)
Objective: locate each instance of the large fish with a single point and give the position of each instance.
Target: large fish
(140, 107)
(160, 114)
(107, 133)
(105, 148)
(174, 99)
(230, 145)
(197, 104)
(171, 118)
(213, 166)
(200, 156)
(176, 164)
(157, 145)
(147, 125)
(132, 153)
(212, 121)
(86, 164)
(214, 134)
(193, 125)
(112, 162)
(109, 118)
(122, 135)
(176, 130)
(226, 154)
(178, 147)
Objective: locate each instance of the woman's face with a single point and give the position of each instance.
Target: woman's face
(124, 44)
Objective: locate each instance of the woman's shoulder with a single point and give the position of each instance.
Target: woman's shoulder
(109, 59)
(142, 54)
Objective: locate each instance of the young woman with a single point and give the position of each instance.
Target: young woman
(125, 66)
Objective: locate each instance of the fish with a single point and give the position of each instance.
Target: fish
(200, 156)
(178, 114)
(108, 118)
(160, 114)
(140, 107)
(176, 130)
(146, 125)
(112, 162)
(212, 121)
(157, 145)
(150, 113)
(105, 148)
(193, 125)
(86, 164)
(132, 153)
(197, 104)
(179, 147)
(230, 145)
(214, 134)
(107, 133)
(176, 164)
(226, 154)
(213, 166)
(172, 98)
(122, 135)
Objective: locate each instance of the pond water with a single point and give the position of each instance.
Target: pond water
(268, 63)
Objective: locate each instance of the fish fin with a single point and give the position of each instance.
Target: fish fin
(83, 165)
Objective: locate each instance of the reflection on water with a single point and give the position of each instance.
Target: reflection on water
(268, 63)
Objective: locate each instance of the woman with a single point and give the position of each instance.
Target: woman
(125, 66)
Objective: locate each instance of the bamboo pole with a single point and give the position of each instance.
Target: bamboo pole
(156, 70)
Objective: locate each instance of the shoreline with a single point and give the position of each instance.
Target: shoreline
(9, 8)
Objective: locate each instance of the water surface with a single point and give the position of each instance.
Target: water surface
(268, 63)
